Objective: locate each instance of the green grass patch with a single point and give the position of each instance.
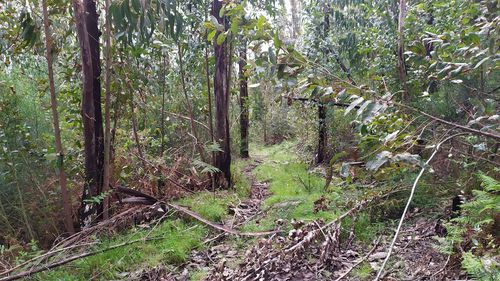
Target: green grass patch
(241, 183)
(210, 205)
(363, 271)
(178, 239)
(294, 189)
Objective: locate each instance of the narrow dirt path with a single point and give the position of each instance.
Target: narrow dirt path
(223, 251)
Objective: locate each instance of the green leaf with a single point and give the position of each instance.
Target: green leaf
(211, 35)
(221, 38)
(379, 160)
(277, 41)
(260, 22)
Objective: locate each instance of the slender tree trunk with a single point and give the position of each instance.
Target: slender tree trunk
(86, 18)
(209, 94)
(107, 115)
(210, 115)
(163, 88)
(134, 130)
(322, 138)
(322, 132)
(66, 197)
(401, 59)
(198, 145)
(243, 103)
(223, 158)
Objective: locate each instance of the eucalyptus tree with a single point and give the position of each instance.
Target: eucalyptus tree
(86, 19)
(66, 196)
(222, 157)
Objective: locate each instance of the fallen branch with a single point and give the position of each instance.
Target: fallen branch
(45, 255)
(313, 234)
(412, 193)
(73, 258)
(359, 261)
(149, 200)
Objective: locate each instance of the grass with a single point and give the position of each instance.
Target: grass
(363, 271)
(179, 238)
(293, 188)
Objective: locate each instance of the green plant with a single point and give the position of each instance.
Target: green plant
(477, 219)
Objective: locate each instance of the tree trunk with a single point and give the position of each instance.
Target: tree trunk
(198, 145)
(401, 59)
(322, 134)
(223, 158)
(243, 103)
(86, 18)
(107, 114)
(66, 197)
(163, 89)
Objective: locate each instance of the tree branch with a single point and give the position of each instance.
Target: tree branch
(462, 127)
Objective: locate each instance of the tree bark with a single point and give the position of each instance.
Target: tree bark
(163, 89)
(107, 114)
(223, 158)
(86, 19)
(66, 197)
(243, 103)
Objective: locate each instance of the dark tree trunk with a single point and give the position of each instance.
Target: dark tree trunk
(88, 36)
(322, 133)
(243, 103)
(222, 158)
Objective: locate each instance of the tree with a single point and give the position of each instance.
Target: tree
(243, 102)
(66, 197)
(223, 157)
(107, 114)
(86, 19)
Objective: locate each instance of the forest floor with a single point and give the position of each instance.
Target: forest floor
(274, 190)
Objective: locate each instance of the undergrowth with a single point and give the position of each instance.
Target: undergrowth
(177, 238)
(294, 190)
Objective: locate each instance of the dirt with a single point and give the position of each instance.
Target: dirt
(324, 258)
(222, 254)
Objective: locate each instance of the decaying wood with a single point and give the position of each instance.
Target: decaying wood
(149, 200)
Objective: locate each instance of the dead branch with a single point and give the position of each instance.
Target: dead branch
(461, 127)
(414, 187)
(45, 255)
(313, 234)
(187, 118)
(73, 258)
(360, 260)
(149, 200)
